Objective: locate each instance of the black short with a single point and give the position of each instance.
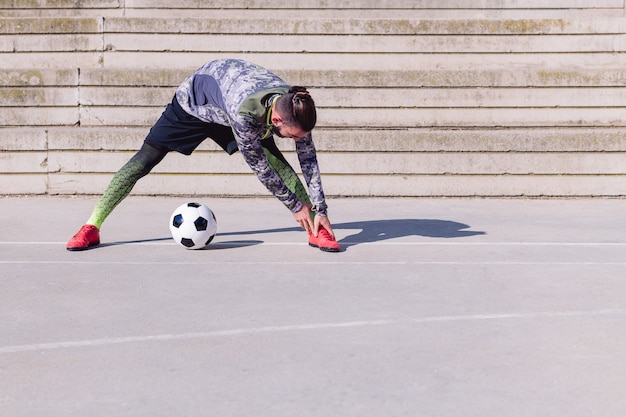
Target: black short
(177, 130)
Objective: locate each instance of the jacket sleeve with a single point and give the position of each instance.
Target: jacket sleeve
(307, 157)
(249, 143)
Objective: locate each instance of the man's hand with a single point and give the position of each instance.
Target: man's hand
(303, 217)
(325, 223)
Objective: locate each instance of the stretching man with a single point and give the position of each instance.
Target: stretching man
(240, 106)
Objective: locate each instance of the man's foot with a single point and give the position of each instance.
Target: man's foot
(87, 237)
(324, 241)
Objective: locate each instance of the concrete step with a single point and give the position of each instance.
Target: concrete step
(328, 78)
(386, 13)
(340, 118)
(347, 118)
(389, 163)
(333, 164)
(318, 8)
(432, 29)
(342, 97)
(432, 140)
(382, 4)
(505, 185)
(134, 61)
(310, 26)
(451, 78)
(339, 98)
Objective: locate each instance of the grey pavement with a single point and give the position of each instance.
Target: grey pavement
(436, 307)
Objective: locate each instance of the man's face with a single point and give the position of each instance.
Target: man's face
(292, 132)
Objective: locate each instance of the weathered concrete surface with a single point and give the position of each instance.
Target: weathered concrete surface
(436, 307)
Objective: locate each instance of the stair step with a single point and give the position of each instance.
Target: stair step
(424, 78)
(425, 140)
(310, 26)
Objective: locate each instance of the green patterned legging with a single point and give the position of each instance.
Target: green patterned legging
(124, 180)
(280, 165)
(148, 157)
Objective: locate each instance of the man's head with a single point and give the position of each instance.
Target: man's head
(294, 114)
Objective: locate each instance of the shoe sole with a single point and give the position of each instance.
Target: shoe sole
(81, 248)
(324, 249)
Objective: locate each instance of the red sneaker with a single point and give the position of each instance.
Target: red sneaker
(324, 241)
(87, 237)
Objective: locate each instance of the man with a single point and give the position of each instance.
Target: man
(240, 106)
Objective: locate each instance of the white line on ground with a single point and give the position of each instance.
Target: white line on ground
(379, 243)
(317, 262)
(302, 327)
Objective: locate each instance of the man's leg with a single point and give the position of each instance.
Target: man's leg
(279, 164)
(175, 130)
(124, 180)
(120, 186)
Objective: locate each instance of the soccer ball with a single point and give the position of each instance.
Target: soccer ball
(193, 225)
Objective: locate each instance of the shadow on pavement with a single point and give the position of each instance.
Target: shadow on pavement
(379, 230)
(130, 242)
(368, 231)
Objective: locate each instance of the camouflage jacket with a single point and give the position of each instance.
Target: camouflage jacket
(232, 93)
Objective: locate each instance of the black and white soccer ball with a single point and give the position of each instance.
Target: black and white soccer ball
(193, 225)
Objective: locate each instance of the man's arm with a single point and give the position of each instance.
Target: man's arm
(307, 156)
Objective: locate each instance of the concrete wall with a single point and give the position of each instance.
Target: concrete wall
(416, 98)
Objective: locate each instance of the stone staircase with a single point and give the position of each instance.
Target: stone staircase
(415, 98)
